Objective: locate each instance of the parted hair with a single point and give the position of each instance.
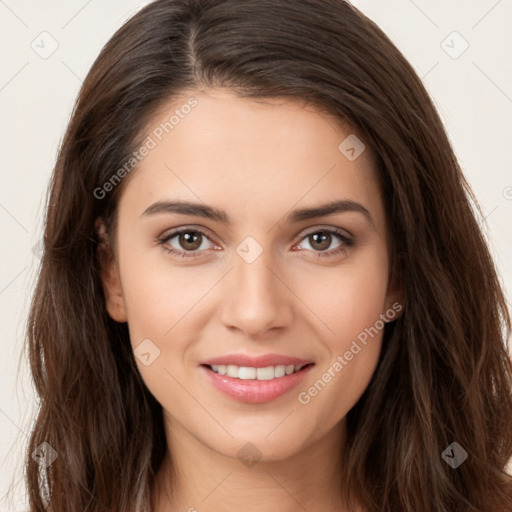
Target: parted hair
(444, 374)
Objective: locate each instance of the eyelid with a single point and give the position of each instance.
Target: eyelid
(206, 232)
(175, 231)
(329, 229)
(169, 234)
(346, 237)
(347, 241)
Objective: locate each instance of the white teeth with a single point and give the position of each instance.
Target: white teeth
(280, 371)
(247, 372)
(232, 371)
(267, 373)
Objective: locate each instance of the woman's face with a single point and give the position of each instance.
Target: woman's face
(256, 279)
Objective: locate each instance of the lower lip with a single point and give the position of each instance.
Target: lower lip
(255, 391)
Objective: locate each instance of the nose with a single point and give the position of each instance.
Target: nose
(257, 298)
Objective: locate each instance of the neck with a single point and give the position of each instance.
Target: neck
(199, 479)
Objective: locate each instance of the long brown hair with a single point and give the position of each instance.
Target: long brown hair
(444, 374)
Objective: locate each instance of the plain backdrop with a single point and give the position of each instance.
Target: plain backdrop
(460, 48)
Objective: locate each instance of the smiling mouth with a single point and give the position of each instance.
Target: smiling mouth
(252, 373)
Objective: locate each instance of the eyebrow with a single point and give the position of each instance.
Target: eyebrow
(202, 210)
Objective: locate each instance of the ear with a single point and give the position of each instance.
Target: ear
(109, 274)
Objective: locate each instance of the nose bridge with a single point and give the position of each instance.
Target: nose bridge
(254, 277)
(256, 300)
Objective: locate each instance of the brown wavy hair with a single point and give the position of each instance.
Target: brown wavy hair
(444, 374)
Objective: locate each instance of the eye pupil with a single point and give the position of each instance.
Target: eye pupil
(188, 238)
(322, 238)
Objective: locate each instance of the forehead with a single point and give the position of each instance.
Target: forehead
(252, 156)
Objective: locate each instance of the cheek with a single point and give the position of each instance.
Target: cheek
(157, 296)
(338, 384)
(162, 318)
(348, 299)
(165, 309)
(350, 303)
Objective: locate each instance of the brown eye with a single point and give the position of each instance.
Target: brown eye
(186, 242)
(190, 240)
(320, 240)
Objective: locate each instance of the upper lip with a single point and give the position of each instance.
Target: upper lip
(256, 361)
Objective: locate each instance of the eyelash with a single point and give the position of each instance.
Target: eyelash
(346, 242)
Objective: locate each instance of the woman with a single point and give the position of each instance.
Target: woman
(263, 285)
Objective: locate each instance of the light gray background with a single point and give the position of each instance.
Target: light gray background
(473, 93)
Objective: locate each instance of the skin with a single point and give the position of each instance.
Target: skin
(257, 161)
